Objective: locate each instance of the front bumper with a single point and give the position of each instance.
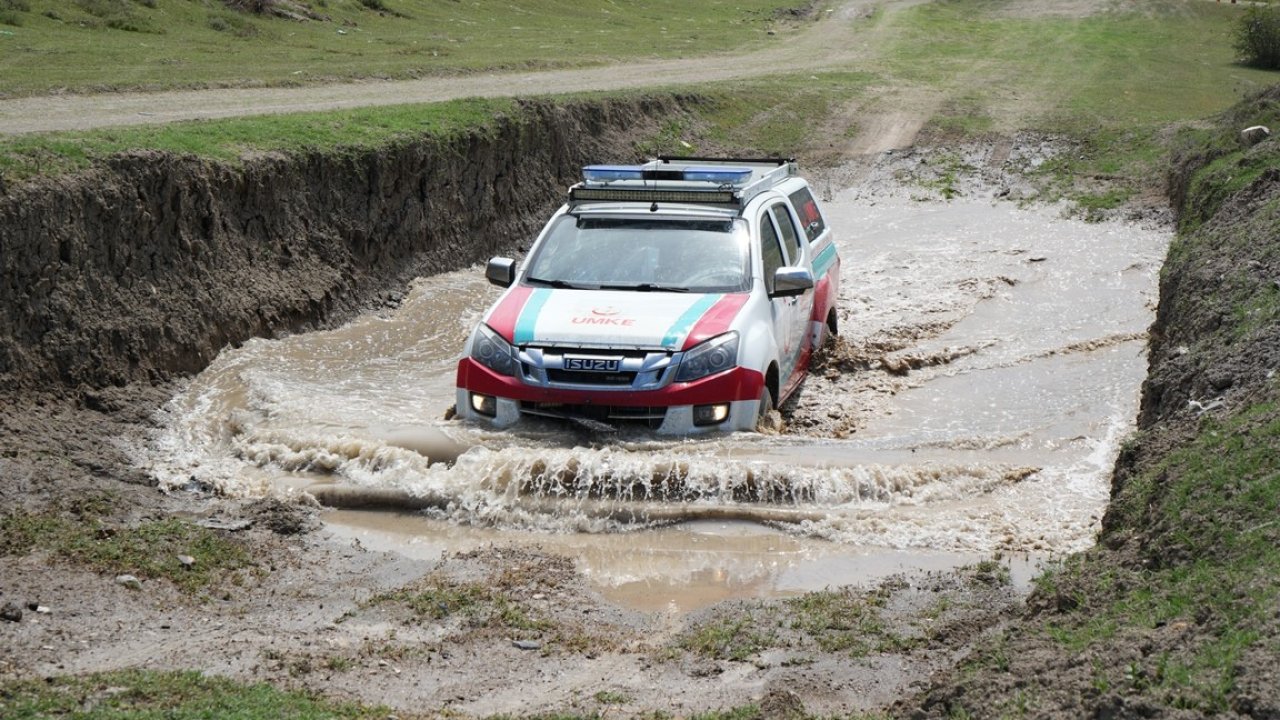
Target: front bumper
(670, 408)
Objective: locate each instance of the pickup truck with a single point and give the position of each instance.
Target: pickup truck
(686, 294)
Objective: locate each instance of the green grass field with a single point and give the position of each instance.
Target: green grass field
(96, 45)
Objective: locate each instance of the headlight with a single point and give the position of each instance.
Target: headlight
(717, 354)
(491, 351)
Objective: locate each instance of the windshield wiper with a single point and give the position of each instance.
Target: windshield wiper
(561, 284)
(648, 287)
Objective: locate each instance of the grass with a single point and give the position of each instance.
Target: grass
(735, 638)
(148, 550)
(1112, 81)
(96, 45)
(843, 620)
(169, 695)
(477, 605)
(230, 141)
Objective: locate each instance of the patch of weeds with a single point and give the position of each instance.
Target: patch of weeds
(842, 621)
(233, 24)
(171, 695)
(339, 663)
(1093, 206)
(148, 550)
(797, 662)
(1019, 706)
(728, 638)
(390, 650)
(992, 572)
(745, 712)
(476, 605)
(946, 176)
(9, 12)
(671, 139)
(119, 15)
(609, 697)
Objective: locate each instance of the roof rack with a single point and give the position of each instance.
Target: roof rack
(716, 181)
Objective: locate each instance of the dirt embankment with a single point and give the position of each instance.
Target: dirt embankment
(148, 266)
(1176, 612)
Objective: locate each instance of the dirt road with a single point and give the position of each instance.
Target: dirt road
(836, 40)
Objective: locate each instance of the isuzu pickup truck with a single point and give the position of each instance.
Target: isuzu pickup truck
(686, 294)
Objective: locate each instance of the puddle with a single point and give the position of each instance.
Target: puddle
(1023, 338)
(679, 568)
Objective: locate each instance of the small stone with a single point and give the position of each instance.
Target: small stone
(43, 610)
(129, 581)
(1255, 134)
(11, 612)
(186, 560)
(528, 644)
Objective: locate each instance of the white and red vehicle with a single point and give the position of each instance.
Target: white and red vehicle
(685, 293)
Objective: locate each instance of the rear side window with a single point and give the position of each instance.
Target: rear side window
(788, 228)
(770, 251)
(810, 217)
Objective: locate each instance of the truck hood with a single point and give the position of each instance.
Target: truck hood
(598, 318)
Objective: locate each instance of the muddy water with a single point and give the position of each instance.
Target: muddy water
(1017, 340)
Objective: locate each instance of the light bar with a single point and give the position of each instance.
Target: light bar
(642, 195)
(609, 173)
(602, 174)
(720, 175)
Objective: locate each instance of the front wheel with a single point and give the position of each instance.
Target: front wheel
(764, 413)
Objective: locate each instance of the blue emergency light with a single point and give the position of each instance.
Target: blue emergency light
(600, 174)
(609, 173)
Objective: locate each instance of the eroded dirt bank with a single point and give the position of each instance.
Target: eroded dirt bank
(148, 266)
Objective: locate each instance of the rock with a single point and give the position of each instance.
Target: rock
(129, 581)
(1255, 134)
(11, 612)
(42, 610)
(186, 560)
(528, 644)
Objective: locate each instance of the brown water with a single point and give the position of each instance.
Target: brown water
(1036, 325)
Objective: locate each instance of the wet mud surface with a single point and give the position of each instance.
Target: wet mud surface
(988, 364)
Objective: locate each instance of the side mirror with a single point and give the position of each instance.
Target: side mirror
(501, 271)
(791, 281)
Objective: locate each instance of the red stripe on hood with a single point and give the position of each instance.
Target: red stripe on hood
(504, 316)
(716, 320)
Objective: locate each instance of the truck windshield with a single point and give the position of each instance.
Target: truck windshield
(643, 254)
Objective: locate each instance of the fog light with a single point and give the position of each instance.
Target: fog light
(710, 414)
(484, 404)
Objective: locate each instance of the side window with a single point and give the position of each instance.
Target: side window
(810, 217)
(788, 227)
(770, 251)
